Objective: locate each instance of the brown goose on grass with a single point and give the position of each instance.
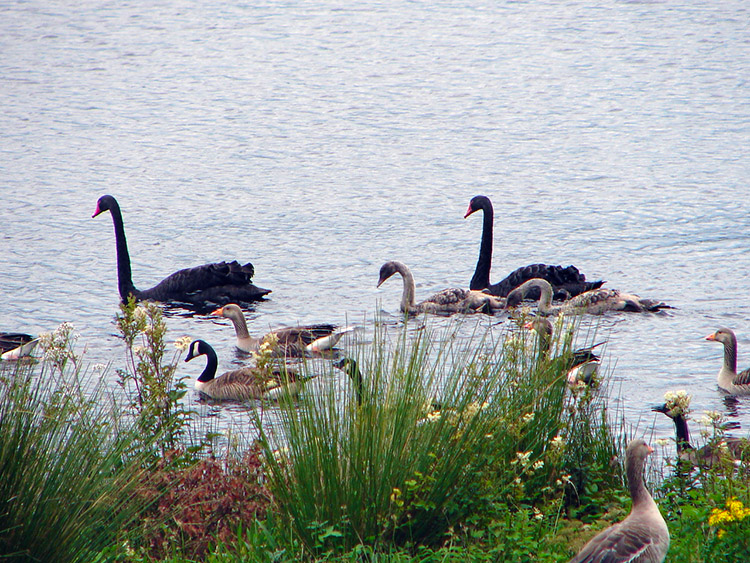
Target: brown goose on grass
(245, 383)
(200, 287)
(288, 341)
(729, 380)
(446, 302)
(594, 302)
(565, 281)
(643, 536)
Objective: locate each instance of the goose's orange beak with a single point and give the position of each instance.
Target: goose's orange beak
(711, 336)
(218, 312)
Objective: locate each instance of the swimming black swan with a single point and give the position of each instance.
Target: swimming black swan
(201, 287)
(643, 536)
(244, 383)
(287, 341)
(729, 380)
(445, 302)
(593, 302)
(565, 281)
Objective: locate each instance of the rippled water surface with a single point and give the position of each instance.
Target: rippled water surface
(319, 140)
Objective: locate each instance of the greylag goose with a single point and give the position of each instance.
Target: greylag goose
(729, 380)
(594, 302)
(245, 383)
(565, 281)
(580, 365)
(677, 407)
(643, 536)
(16, 345)
(200, 287)
(288, 341)
(445, 302)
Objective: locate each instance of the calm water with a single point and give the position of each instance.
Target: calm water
(318, 140)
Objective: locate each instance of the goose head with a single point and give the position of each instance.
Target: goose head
(723, 335)
(197, 348)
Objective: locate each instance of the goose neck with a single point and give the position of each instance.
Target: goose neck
(408, 298)
(212, 362)
(638, 491)
(682, 433)
(730, 354)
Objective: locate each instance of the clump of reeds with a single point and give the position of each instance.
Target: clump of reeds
(441, 430)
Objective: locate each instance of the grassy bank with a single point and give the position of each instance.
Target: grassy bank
(447, 449)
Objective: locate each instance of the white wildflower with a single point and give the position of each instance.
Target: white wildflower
(557, 442)
(140, 315)
(537, 465)
(183, 343)
(528, 417)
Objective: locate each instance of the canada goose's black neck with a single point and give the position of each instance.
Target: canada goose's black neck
(683, 434)
(212, 362)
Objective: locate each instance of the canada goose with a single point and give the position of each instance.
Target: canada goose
(677, 407)
(244, 383)
(580, 365)
(594, 302)
(16, 345)
(566, 281)
(201, 286)
(446, 302)
(643, 536)
(288, 341)
(729, 380)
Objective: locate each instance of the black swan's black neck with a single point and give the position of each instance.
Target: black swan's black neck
(212, 362)
(124, 274)
(481, 278)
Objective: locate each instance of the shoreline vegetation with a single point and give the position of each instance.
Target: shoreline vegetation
(443, 452)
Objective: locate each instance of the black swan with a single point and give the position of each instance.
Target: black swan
(566, 281)
(16, 345)
(593, 302)
(676, 407)
(643, 536)
(580, 366)
(288, 341)
(729, 380)
(445, 302)
(245, 383)
(201, 287)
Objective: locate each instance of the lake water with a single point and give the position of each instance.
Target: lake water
(318, 140)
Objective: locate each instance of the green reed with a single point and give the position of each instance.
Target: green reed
(395, 469)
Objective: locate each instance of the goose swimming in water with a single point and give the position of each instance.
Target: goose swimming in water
(728, 378)
(288, 341)
(446, 302)
(16, 345)
(580, 366)
(676, 407)
(643, 536)
(594, 302)
(565, 281)
(245, 383)
(201, 287)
